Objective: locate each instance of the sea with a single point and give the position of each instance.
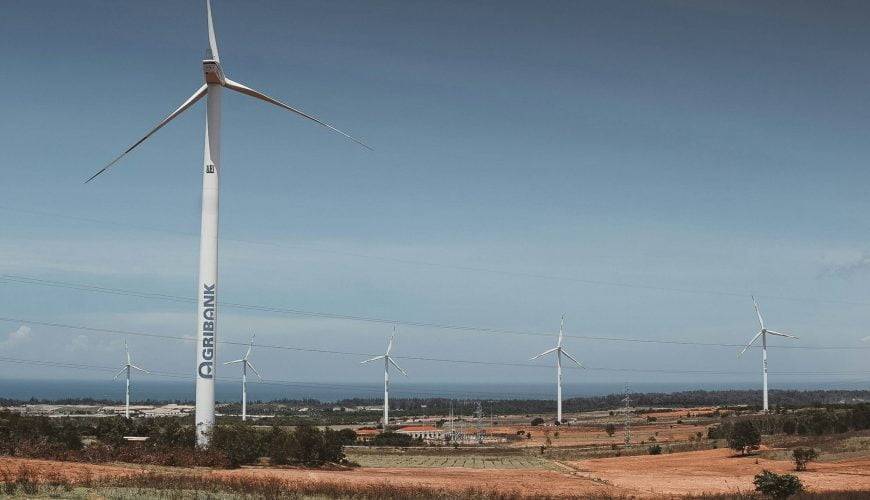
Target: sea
(226, 391)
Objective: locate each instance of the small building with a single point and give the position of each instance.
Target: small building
(366, 435)
(424, 432)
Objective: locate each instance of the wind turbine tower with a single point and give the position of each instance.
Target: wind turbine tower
(245, 365)
(388, 360)
(763, 334)
(207, 289)
(560, 351)
(127, 370)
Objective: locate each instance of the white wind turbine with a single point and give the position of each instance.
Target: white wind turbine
(763, 334)
(388, 360)
(215, 81)
(128, 367)
(559, 353)
(245, 365)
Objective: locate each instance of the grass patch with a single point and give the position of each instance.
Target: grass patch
(25, 481)
(447, 459)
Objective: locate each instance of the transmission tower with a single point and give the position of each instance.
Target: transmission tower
(627, 412)
(452, 425)
(478, 413)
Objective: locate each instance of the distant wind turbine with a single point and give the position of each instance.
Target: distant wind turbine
(388, 360)
(127, 368)
(206, 316)
(245, 365)
(559, 353)
(763, 334)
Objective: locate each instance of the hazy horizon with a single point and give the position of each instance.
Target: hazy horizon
(228, 391)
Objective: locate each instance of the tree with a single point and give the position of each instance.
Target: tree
(777, 485)
(280, 446)
(308, 443)
(744, 437)
(610, 430)
(655, 450)
(537, 421)
(803, 456)
(239, 442)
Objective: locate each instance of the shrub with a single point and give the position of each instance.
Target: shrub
(744, 437)
(240, 442)
(391, 439)
(803, 456)
(655, 450)
(777, 485)
(537, 421)
(610, 430)
(280, 446)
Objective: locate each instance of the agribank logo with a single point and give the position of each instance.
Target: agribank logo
(206, 367)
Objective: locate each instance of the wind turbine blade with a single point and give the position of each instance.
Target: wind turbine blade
(548, 351)
(372, 359)
(188, 103)
(572, 358)
(780, 334)
(255, 370)
(140, 369)
(758, 312)
(397, 366)
(561, 327)
(234, 362)
(250, 346)
(238, 87)
(119, 373)
(212, 39)
(750, 343)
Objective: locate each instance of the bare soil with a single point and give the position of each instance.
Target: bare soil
(689, 473)
(716, 471)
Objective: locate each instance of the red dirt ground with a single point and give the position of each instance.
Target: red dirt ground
(716, 471)
(708, 471)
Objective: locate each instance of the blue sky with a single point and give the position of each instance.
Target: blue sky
(716, 146)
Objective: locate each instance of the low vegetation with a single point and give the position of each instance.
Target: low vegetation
(169, 442)
(776, 485)
(29, 482)
(803, 456)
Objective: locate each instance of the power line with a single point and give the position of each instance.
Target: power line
(608, 283)
(29, 280)
(412, 358)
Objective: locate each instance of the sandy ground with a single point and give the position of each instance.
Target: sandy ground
(708, 471)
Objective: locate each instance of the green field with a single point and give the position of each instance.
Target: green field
(513, 461)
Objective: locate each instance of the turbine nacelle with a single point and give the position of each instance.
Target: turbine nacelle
(213, 72)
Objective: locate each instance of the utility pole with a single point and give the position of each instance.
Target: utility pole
(627, 401)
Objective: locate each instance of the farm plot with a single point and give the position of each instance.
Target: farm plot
(461, 461)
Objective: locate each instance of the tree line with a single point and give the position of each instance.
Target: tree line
(169, 442)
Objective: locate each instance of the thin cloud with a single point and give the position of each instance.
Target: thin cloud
(16, 337)
(847, 267)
